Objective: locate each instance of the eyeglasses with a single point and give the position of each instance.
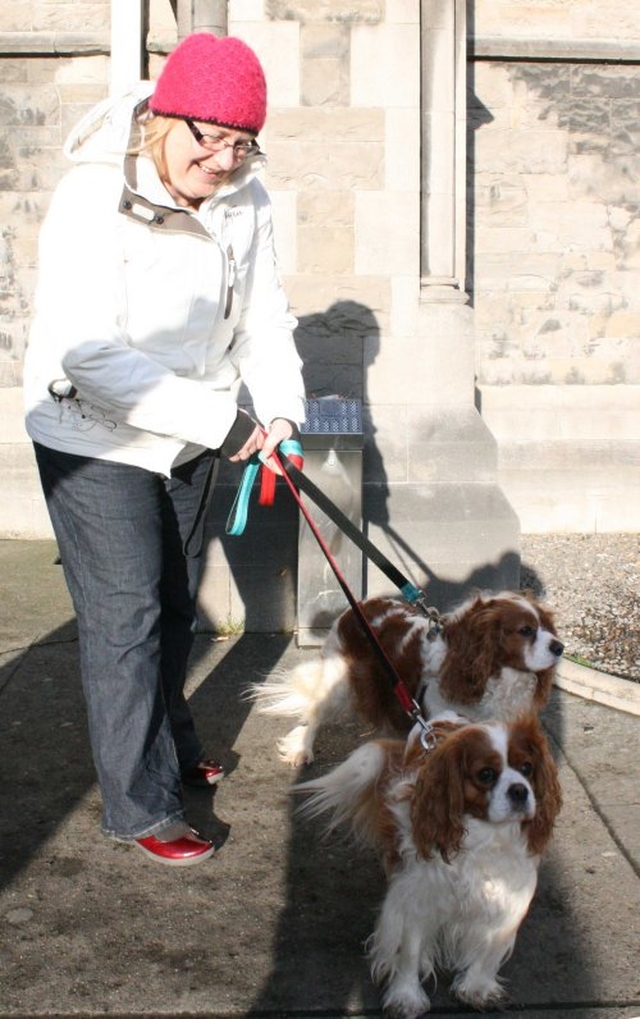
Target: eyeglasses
(217, 143)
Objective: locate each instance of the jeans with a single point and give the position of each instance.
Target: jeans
(121, 534)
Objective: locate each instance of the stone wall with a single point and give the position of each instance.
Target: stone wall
(554, 266)
(552, 233)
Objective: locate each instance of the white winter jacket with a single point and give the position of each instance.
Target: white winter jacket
(150, 316)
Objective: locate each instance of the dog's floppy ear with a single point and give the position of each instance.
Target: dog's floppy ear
(473, 645)
(437, 804)
(546, 787)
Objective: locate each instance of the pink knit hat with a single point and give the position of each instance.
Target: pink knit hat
(213, 79)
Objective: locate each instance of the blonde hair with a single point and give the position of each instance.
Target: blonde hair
(154, 129)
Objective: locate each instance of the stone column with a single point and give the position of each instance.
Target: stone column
(127, 43)
(451, 507)
(202, 16)
(448, 517)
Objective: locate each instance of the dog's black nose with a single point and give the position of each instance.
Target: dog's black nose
(518, 794)
(556, 647)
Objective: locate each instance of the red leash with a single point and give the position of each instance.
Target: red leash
(407, 702)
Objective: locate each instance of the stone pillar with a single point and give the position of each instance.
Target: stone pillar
(447, 520)
(127, 44)
(202, 16)
(443, 137)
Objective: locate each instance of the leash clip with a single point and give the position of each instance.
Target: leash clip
(434, 619)
(428, 739)
(416, 598)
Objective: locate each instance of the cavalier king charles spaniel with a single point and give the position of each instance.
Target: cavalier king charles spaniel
(493, 657)
(459, 828)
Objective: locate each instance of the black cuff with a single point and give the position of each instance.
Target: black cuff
(238, 434)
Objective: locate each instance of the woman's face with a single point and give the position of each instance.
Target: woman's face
(193, 171)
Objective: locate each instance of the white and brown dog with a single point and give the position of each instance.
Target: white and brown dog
(493, 657)
(460, 830)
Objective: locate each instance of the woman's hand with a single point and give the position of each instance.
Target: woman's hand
(252, 445)
(267, 442)
(279, 430)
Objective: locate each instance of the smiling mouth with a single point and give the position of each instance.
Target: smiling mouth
(210, 172)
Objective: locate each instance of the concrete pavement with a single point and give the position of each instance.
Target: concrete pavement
(274, 925)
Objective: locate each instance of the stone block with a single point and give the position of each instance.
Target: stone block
(328, 125)
(314, 166)
(320, 41)
(576, 501)
(402, 150)
(386, 48)
(332, 207)
(445, 448)
(305, 11)
(277, 43)
(324, 82)
(405, 305)
(386, 444)
(325, 247)
(449, 539)
(387, 234)
(491, 239)
(325, 233)
(310, 296)
(325, 64)
(534, 272)
(576, 464)
(501, 199)
(595, 22)
(285, 234)
(521, 20)
(501, 150)
(70, 17)
(402, 12)
(16, 16)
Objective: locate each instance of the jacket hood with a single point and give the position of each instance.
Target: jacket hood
(103, 135)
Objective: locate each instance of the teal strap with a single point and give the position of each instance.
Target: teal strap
(291, 447)
(237, 519)
(411, 593)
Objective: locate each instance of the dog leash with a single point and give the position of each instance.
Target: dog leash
(290, 462)
(290, 449)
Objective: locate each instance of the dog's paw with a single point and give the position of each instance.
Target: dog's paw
(292, 749)
(480, 993)
(405, 1003)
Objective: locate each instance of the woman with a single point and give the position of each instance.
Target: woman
(157, 296)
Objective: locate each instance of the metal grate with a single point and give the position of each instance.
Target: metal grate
(332, 415)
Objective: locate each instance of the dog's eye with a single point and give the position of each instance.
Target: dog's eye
(526, 769)
(487, 776)
(527, 631)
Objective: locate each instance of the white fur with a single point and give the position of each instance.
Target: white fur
(507, 695)
(461, 916)
(318, 691)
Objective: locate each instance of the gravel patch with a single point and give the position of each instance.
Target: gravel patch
(592, 584)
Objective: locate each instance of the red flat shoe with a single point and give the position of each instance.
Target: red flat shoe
(205, 774)
(184, 851)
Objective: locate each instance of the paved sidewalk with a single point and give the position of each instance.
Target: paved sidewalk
(274, 925)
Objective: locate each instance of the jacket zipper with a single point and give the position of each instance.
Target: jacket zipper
(231, 279)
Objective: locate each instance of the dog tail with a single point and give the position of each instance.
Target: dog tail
(349, 793)
(298, 693)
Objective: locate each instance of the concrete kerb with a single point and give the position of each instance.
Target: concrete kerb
(611, 691)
